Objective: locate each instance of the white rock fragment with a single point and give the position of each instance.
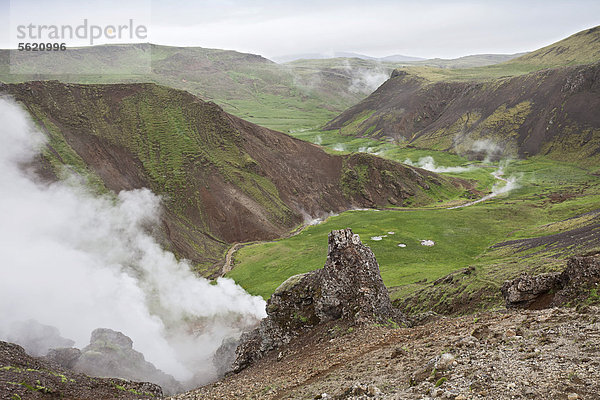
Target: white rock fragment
(376, 238)
(391, 233)
(446, 361)
(427, 242)
(401, 245)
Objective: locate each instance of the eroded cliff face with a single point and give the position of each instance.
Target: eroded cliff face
(348, 289)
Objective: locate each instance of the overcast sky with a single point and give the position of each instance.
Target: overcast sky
(446, 29)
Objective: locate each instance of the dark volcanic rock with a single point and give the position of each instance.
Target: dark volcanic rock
(554, 289)
(225, 355)
(349, 288)
(111, 354)
(26, 377)
(526, 291)
(66, 357)
(583, 274)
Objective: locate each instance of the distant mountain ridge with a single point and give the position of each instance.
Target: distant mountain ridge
(342, 54)
(552, 110)
(298, 94)
(247, 85)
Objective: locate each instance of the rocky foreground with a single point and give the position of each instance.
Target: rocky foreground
(545, 354)
(332, 334)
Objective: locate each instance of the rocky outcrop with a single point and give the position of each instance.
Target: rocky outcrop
(573, 285)
(111, 354)
(583, 274)
(66, 357)
(348, 288)
(36, 338)
(530, 291)
(224, 357)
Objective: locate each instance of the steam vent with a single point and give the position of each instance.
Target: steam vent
(347, 289)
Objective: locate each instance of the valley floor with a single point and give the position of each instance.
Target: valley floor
(547, 354)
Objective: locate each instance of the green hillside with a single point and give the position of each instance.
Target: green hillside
(580, 48)
(222, 179)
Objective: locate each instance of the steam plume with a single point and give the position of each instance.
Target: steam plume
(364, 80)
(428, 163)
(506, 185)
(78, 261)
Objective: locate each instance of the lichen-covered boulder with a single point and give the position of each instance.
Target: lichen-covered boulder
(349, 288)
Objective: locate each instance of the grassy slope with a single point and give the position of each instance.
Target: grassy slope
(203, 139)
(472, 61)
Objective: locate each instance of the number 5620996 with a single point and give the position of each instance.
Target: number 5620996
(42, 46)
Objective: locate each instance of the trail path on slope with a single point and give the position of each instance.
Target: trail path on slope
(228, 265)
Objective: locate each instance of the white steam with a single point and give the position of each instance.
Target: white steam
(78, 261)
(428, 163)
(504, 186)
(339, 147)
(311, 221)
(491, 149)
(365, 149)
(364, 80)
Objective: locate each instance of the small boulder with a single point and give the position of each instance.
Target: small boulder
(445, 362)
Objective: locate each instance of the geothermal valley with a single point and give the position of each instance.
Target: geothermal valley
(229, 227)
